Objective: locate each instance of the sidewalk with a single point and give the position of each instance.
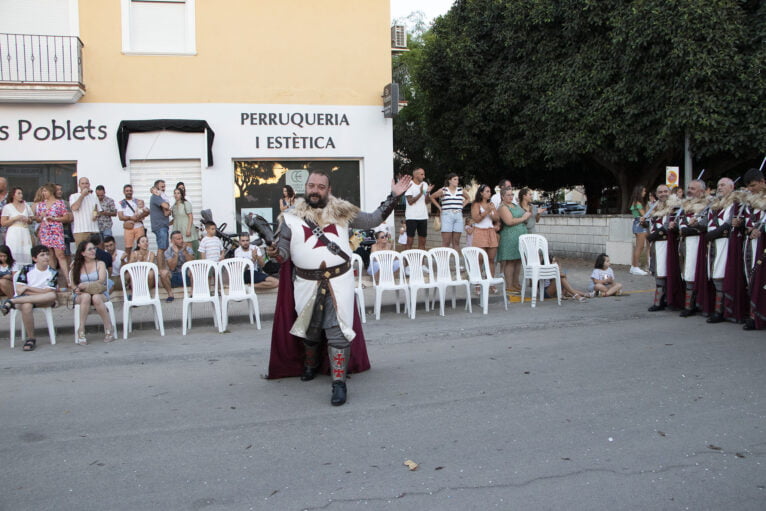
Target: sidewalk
(578, 274)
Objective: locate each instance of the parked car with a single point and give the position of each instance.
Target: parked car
(571, 208)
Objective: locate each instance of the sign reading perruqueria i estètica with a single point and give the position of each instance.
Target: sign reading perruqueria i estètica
(296, 122)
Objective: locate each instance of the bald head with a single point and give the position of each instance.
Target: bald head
(725, 187)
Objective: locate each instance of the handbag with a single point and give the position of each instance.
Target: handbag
(94, 288)
(437, 223)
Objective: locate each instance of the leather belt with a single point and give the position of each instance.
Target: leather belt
(323, 273)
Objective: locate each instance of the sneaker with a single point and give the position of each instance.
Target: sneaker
(635, 270)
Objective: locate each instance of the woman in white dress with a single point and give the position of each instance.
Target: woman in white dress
(17, 216)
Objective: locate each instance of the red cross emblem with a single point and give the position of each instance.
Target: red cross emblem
(307, 233)
(339, 359)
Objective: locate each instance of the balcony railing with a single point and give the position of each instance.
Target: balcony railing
(40, 58)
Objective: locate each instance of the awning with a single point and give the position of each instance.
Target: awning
(184, 125)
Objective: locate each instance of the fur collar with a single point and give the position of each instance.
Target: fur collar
(757, 201)
(724, 202)
(670, 204)
(337, 211)
(695, 206)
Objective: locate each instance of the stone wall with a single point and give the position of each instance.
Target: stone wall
(581, 236)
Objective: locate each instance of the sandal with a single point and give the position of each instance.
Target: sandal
(580, 298)
(30, 345)
(109, 337)
(6, 307)
(81, 340)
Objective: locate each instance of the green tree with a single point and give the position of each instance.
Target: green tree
(609, 88)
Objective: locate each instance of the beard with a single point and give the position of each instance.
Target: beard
(317, 201)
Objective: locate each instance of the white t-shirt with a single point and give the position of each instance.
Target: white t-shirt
(117, 261)
(83, 217)
(126, 211)
(599, 274)
(417, 211)
(211, 246)
(41, 279)
(248, 254)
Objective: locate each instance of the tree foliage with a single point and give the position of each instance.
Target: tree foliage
(572, 91)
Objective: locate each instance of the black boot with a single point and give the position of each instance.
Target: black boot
(659, 300)
(690, 307)
(338, 364)
(310, 361)
(339, 392)
(717, 316)
(749, 324)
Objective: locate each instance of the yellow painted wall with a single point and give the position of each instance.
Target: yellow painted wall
(326, 52)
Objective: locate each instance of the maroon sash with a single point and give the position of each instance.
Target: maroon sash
(675, 286)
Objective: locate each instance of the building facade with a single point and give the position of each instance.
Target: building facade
(234, 98)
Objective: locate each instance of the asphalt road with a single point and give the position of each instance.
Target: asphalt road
(591, 406)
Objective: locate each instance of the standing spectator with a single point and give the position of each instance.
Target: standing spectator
(159, 211)
(89, 284)
(513, 218)
(287, 201)
(51, 213)
(84, 210)
(68, 237)
(255, 254)
(3, 202)
(16, 217)
(485, 216)
(497, 198)
(210, 246)
(183, 219)
(416, 213)
(525, 201)
(106, 211)
(7, 268)
(175, 257)
(131, 215)
(181, 185)
(453, 199)
(640, 227)
(119, 257)
(160, 185)
(36, 287)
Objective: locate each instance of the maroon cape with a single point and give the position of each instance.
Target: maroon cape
(758, 285)
(286, 357)
(734, 284)
(675, 286)
(702, 286)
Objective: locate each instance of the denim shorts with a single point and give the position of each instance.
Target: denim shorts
(162, 238)
(452, 220)
(637, 228)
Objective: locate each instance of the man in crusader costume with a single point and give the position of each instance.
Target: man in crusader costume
(692, 209)
(719, 221)
(314, 238)
(755, 249)
(667, 275)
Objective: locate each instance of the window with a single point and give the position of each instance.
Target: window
(158, 27)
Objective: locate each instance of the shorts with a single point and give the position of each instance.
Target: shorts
(176, 279)
(258, 277)
(421, 226)
(82, 236)
(162, 238)
(452, 220)
(637, 228)
(131, 235)
(484, 238)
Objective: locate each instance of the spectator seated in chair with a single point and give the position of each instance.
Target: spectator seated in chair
(255, 254)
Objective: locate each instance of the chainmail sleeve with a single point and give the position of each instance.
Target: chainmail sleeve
(365, 220)
(285, 235)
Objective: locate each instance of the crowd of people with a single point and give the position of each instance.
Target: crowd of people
(35, 239)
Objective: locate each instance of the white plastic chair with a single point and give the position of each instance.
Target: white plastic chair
(140, 294)
(110, 310)
(357, 266)
(198, 291)
(537, 266)
(416, 277)
(447, 267)
(386, 280)
(477, 268)
(47, 311)
(238, 290)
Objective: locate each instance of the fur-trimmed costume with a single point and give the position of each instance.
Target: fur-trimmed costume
(665, 256)
(315, 241)
(690, 232)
